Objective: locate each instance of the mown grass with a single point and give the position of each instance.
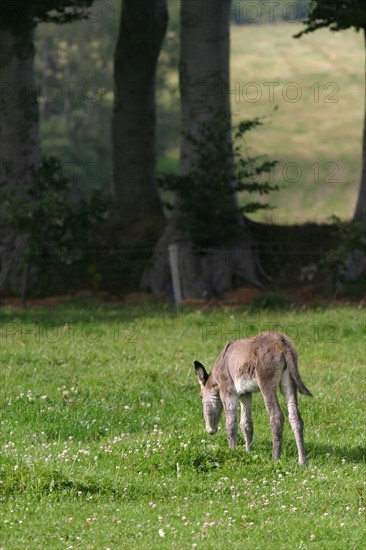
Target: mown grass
(103, 443)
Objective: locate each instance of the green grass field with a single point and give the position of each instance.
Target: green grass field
(103, 443)
(318, 87)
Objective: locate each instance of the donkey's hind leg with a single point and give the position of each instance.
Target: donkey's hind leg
(276, 419)
(289, 390)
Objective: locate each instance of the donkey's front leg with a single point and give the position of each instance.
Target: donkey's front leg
(246, 423)
(230, 402)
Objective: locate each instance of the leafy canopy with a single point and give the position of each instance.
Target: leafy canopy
(338, 15)
(21, 16)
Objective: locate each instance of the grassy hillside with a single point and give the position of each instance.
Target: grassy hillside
(306, 132)
(320, 133)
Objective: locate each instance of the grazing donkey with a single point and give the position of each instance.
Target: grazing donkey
(264, 363)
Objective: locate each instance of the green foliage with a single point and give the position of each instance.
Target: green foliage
(44, 213)
(207, 204)
(351, 242)
(103, 444)
(337, 15)
(19, 16)
(75, 122)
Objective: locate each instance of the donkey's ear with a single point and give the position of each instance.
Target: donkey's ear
(201, 373)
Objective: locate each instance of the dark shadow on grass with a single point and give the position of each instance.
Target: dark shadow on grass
(350, 454)
(263, 449)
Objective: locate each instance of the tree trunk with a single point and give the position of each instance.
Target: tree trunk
(204, 88)
(203, 70)
(135, 193)
(360, 210)
(355, 265)
(19, 142)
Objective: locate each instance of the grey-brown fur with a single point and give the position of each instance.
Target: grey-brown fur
(263, 363)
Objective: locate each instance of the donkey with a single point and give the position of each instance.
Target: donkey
(261, 363)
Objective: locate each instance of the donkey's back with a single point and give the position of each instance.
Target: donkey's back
(258, 362)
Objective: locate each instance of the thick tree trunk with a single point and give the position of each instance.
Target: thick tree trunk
(355, 265)
(204, 87)
(19, 142)
(203, 70)
(360, 210)
(135, 193)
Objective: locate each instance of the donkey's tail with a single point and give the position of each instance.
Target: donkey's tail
(291, 362)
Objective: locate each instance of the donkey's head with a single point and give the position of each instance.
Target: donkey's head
(210, 396)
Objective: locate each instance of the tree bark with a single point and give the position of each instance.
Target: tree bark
(360, 210)
(135, 193)
(355, 265)
(204, 88)
(19, 142)
(203, 70)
